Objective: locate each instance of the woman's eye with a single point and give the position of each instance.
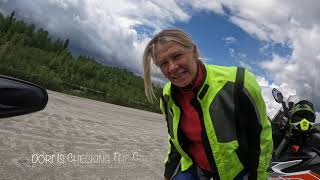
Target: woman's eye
(177, 56)
(163, 64)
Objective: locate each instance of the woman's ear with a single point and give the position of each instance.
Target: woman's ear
(195, 52)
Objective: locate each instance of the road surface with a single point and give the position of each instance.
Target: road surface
(77, 138)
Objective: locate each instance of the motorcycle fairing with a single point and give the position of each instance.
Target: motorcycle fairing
(277, 172)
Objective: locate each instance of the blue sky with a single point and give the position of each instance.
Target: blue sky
(210, 32)
(278, 40)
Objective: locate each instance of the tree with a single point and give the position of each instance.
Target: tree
(9, 21)
(66, 43)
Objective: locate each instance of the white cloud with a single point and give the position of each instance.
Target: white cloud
(229, 40)
(245, 65)
(231, 52)
(210, 5)
(240, 58)
(289, 22)
(300, 71)
(265, 49)
(317, 117)
(108, 30)
(266, 87)
(275, 65)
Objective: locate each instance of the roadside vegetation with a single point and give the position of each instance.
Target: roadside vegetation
(30, 53)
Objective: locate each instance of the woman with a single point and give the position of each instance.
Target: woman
(216, 116)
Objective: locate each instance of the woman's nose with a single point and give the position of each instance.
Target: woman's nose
(172, 66)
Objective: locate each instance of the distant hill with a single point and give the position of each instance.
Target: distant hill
(30, 53)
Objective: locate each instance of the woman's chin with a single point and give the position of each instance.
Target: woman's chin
(182, 83)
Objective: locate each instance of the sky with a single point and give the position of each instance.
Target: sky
(279, 41)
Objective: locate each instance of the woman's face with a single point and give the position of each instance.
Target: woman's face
(176, 62)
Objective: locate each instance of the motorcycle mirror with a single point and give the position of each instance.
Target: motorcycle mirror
(18, 97)
(277, 95)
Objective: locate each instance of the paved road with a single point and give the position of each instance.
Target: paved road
(77, 138)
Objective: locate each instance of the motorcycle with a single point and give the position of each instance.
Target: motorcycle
(19, 97)
(296, 144)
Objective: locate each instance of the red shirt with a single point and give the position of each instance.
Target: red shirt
(190, 123)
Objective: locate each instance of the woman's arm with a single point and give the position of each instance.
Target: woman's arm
(258, 127)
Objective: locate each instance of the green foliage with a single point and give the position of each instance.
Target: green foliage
(30, 54)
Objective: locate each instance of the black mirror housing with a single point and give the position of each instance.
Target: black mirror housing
(277, 95)
(18, 97)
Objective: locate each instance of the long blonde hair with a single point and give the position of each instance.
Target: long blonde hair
(164, 36)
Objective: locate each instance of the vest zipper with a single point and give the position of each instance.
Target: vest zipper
(205, 141)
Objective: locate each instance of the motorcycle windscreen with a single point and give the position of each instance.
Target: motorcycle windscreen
(18, 97)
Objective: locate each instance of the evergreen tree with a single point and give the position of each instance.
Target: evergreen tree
(66, 43)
